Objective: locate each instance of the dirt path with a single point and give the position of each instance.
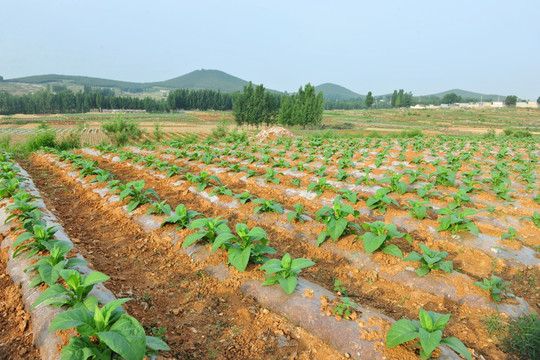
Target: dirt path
(204, 319)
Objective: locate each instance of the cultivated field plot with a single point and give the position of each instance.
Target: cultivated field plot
(389, 226)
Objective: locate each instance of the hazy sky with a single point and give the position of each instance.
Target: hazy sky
(423, 46)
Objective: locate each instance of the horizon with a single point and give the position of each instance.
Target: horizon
(483, 47)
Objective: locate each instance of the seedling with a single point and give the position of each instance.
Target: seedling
(43, 239)
(535, 219)
(511, 235)
(202, 180)
(396, 185)
(380, 201)
(267, 206)
(244, 197)
(430, 260)
(378, 234)
(209, 229)
(320, 186)
(78, 287)
(173, 170)
(418, 208)
(160, 208)
(271, 176)
(495, 286)
(182, 217)
(336, 221)
(48, 267)
(286, 271)
(221, 190)
(134, 192)
(349, 195)
(249, 246)
(102, 176)
(456, 220)
(297, 213)
(8, 187)
(343, 308)
(428, 330)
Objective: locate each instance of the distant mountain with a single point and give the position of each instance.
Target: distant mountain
(336, 92)
(204, 79)
(196, 80)
(469, 94)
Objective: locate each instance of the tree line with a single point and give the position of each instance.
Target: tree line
(187, 99)
(257, 106)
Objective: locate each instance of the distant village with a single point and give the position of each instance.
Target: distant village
(478, 105)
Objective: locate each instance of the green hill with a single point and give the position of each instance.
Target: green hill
(204, 79)
(469, 94)
(336, 92)
(80, 80)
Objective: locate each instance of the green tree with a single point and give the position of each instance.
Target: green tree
(538, 100)
(394, 98)
(510, 100)
(451, 98)
(369, 99)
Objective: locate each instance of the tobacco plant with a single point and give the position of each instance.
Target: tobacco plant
(267, 206)
(78, 288)
(336, 221)
(429, 332)
(134, 191)
(8, 187)
(247, 246)
(43, 239)
(182, 217)
(430, 260)
(377, 236)
(48, 268)
(209, 229)
(244, 197)
(495, 286)
(380, 200)
(105, 333)
(297, 213)
(202, 180)
(320, 186)
(285, 271)
(457, 220)
(160, 208)
(418, 208)
(221, 190)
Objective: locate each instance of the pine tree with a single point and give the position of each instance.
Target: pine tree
(369, 99)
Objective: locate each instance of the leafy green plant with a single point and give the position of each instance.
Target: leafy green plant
(428, 330)
(244, 197)
(511, 235)
(102, 176)
(43, 239)
(78, 288)
(336, 221)
(377, 236)
(396, 185)
(271, 176)
(457, 220)
(297, 213)
(160, 208)
(296, 182)
(182, 217)
(535, 218)
(209, 229)
(8, 187)
(203, 180)
(173, 170)
(267, 206)
(430, 260)
(134, 192)
(285, 271)
(380, 201)
(418, 208)
(48, 267)
(320, 186)
(349, 195)
(247, 246)
(105, 333)
(221, 190)
(343, 307)
(426, 192)
(496, 287)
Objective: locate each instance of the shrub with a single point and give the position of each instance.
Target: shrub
(120, 131)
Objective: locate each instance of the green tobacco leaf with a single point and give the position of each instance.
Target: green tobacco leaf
(425, 320)
(336, 228)
(81, 348)
(429, 340)
(193, 238)
(132, 206)
(72, 318)
(301, 263)
(126, 337)
(272, 280)
(422, 271)
(288, 284)
(54, 291)
(402, 331)
(240, 258)
(392, 250)
(153, 343)
(372, 242)
(95, 277)
(458, 346)
(413, 256)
